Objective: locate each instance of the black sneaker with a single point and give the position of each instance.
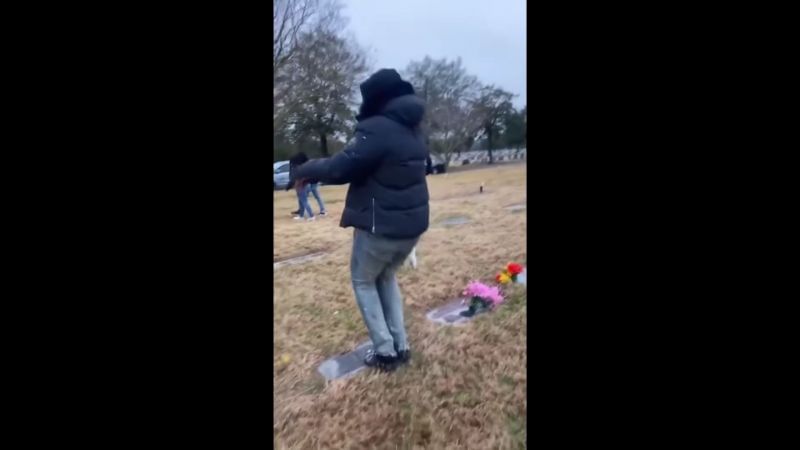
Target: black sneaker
(380, 362)
(403, 356)
(296, 213)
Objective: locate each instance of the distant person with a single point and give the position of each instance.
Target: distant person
(387, 204)
(293, 163)
(310, 188)
(313, 188)
(299, 185)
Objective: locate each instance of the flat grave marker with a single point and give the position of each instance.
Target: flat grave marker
(297, 260)
(345, 365)
(454, 221)
(517, 207)
(449, 313)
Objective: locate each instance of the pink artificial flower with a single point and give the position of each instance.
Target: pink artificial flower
(492, 294)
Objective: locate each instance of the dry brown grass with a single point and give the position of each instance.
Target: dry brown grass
(465, 387)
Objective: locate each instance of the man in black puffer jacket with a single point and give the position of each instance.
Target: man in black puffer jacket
(387, 204)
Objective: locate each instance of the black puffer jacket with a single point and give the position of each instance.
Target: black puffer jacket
(385, 166)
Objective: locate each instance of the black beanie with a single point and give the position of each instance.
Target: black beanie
(379, 88)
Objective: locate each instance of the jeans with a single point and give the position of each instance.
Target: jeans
(373, 265)
(302, 198)
(314, 189)
(299, 203)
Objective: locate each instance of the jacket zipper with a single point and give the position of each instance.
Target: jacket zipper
(373, 215)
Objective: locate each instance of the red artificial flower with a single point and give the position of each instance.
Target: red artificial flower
(497, 278)
(514, 268)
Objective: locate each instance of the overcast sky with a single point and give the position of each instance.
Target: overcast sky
(488, 35)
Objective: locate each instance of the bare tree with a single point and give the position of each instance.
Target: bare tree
(291, 20)
(288, 19)
(455, 125)
(514, 128)
(452, 120)
(494, 105)
(322, 77)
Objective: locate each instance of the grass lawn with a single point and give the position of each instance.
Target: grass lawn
(465, 387)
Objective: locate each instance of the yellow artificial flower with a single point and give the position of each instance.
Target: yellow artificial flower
(504, 278)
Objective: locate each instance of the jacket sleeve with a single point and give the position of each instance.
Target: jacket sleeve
(353, 163)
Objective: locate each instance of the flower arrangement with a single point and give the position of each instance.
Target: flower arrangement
(481, 297)
(509, 273)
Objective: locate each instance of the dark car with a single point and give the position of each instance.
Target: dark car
(436, 165)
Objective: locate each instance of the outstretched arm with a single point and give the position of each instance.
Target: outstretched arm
(352, 163)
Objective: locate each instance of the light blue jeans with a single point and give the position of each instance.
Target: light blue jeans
(314, 189)
(373, 265)
(302, 198)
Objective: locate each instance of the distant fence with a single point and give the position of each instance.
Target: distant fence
(482, 156)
